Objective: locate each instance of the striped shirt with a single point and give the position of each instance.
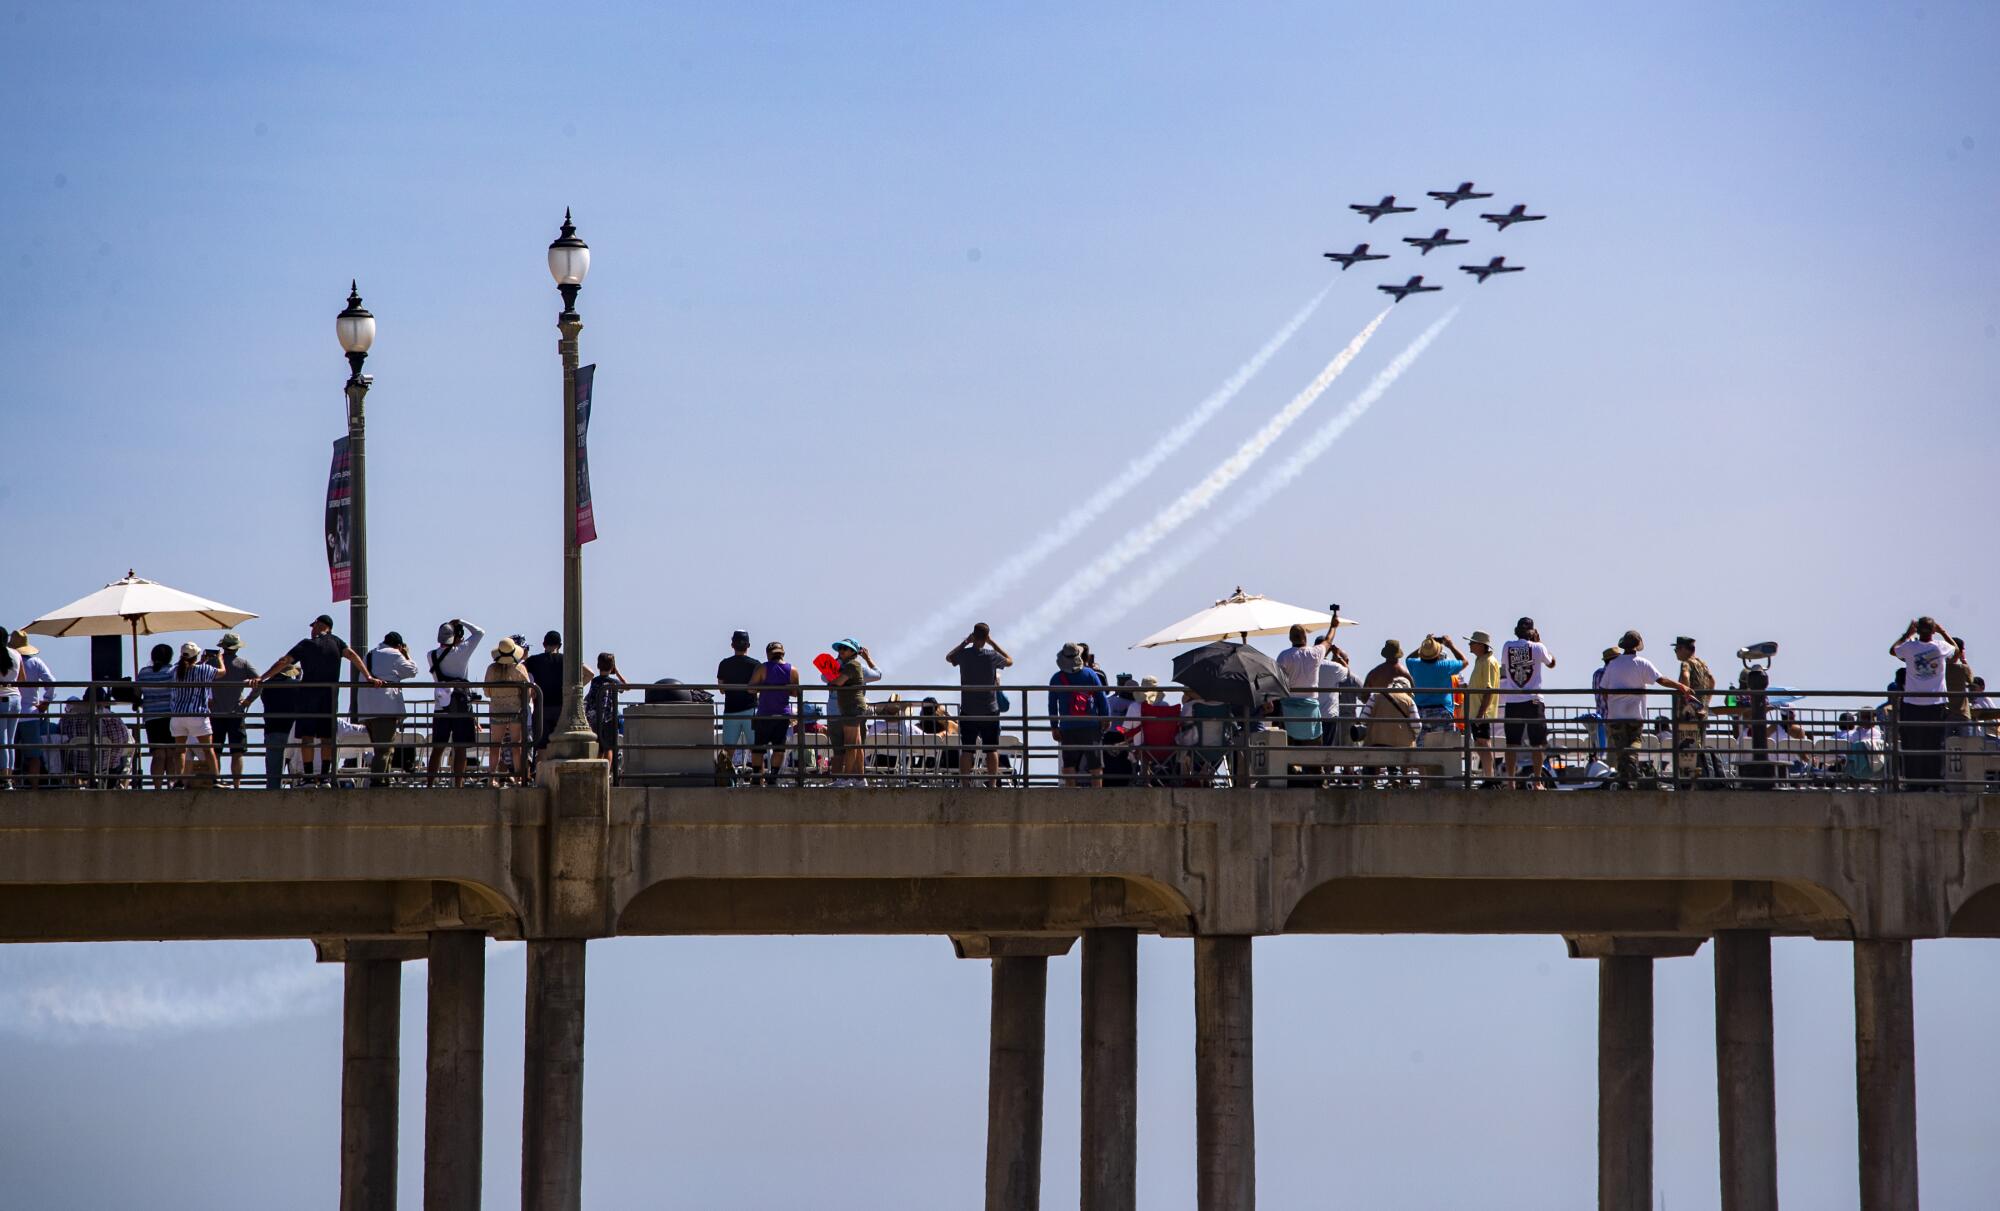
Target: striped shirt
(155, 702)
(192, 700)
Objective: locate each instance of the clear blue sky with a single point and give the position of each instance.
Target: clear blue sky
(878, 292)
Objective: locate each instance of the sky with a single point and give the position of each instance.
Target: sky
(878, 294)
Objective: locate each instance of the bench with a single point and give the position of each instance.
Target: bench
(1272, 748)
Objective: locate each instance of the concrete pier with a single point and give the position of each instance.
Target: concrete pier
(1745, 1076)
(454, 1090)
(1014, 1083)
(370, 1059)
(1108, 1177)
(1885, 1064)
(552, 1076)
(1625, 1083)
(1225, 1101)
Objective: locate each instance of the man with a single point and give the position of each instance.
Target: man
(1430, 676)
(1482, 704)
(545, 668)
(1925, 649)
(1077, 711)
(1522, 660)
(1339, 695)
(156, 708)
(1691, 717)
(318, 657)
(36, 735)
(739, 703)
(979, 661)
(1299, 665)
(232, 679)
(451, 719)
(383, 711)
(1625, 681)
(600, 707)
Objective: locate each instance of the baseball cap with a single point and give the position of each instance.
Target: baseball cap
(1525, 624)
(324, 620)
(393, 639)
(739, 637)
(1682, 641)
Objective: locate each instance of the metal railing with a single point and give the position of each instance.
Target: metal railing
(105, 735)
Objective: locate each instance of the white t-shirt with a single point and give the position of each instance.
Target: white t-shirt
(1630, 671)
(455, 664)
(1300, 665)
(1521, 665)
(1923, 683)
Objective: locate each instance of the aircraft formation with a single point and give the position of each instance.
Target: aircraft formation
(1440, 238)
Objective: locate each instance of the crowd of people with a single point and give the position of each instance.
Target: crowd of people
(497, 719)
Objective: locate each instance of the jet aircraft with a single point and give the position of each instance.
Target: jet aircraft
(1462, 194)
(1347, 260)
(1517, 215)
(1440, 239)
(1496, 265)
(1414, 286)
(1386, 206)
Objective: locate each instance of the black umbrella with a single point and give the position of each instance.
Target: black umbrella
(1232, 673)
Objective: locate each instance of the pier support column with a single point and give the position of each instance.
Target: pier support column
(1745, 1080)
(454, 1090)
(1225, 1102)
(1625, 1060)
(1014, 1083)
(1625, 1083)
(1110, 1127)
(1885, 1063)
(370, 1063)
(552, 1074)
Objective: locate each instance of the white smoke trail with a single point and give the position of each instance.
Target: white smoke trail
(1016, 566)
(1138, 541)
(142, 989)
(1135, 592)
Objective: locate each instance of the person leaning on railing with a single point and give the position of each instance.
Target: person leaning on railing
(156, 707)
(383, 710)
(318, 657)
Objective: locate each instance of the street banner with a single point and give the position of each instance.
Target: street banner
(586, 517)
(340, 523)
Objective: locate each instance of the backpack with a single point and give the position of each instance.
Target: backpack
(1079, 704)
(460, 701)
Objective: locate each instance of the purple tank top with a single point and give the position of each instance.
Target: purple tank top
(775, 702)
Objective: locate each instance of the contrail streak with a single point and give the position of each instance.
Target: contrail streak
(1136, 592)
(1142, 539)
(959, 612)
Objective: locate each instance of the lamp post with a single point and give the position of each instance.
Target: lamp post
(356, 329)
(569, 264)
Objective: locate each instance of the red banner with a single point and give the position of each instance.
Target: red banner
(340, 523)
(586, 517)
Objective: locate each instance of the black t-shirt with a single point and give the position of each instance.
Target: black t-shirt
(547, 670)
(736, 670)
(318, 658)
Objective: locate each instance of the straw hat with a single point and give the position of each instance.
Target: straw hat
(1429, 649)
(506, 650)
(19, 642)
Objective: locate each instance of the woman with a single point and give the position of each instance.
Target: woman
(1121, 732)
(774, 680)
(508, 690)
(192, 677)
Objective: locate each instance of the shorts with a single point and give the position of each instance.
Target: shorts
(1435, 718)
(229, 731)
(1081, 751)
(191, 727)
(979, 733)
(1524, 719)
(736, 729)
(447, 727)
(769, 731)
(159, 730)
(1482, 729)
(607, 737)
(313, 727)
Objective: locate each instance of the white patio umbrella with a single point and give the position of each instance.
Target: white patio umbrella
(1240, 614)
(137, 606)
